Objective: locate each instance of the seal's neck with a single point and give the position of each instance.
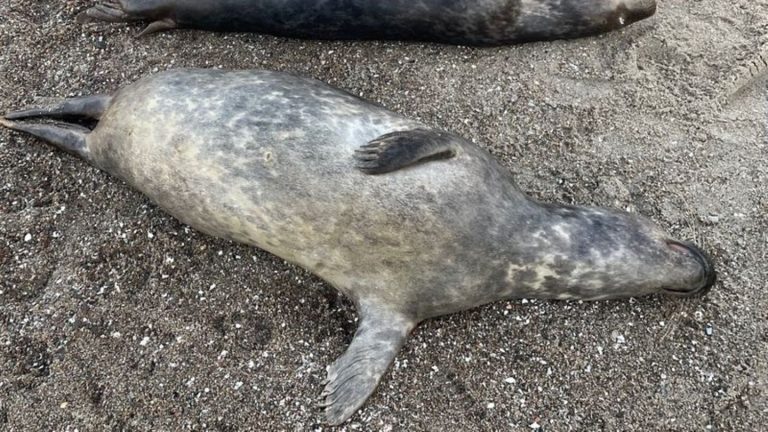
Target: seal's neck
(565, 252)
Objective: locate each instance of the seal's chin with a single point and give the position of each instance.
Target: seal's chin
(637, 10)
(706, 278)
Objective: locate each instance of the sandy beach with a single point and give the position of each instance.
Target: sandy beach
(115, 316)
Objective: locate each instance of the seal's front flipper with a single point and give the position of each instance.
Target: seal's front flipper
(110, 11)
(88, 106)
(158, 26)
(354, 376)
(396, 150)
(68, 137)
(129, 11)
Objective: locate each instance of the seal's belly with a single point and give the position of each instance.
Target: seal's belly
(270, 164)
(313, 210)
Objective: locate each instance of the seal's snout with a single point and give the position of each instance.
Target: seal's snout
(705, 277)
(637, 10)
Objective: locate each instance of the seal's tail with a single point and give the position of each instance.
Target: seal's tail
(87, 106)
(69, 137)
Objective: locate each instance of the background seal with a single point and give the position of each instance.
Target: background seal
(480, 23)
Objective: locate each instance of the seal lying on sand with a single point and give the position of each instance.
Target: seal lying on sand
(471, 22)
(407, 221)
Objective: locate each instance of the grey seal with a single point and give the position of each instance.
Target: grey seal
(407, 221)
(465, 22)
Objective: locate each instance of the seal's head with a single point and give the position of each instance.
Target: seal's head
(627, 12)
(565, 19)
(697, 275)
(593, 254)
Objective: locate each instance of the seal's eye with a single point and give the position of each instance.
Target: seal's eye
(622, 20)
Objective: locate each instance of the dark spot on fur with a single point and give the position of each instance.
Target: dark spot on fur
(565, 266)
(551, 284)
(524, 277)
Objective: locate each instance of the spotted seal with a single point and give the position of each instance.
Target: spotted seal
(475, 22)
(407, 221)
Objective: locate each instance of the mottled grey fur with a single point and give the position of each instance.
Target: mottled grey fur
(268, 159)
(468, 22)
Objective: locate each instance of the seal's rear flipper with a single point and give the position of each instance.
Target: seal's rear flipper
(88, 106)
(158, 26)
(353, 377)
(396, 150)
(68, 137)
(128, 11)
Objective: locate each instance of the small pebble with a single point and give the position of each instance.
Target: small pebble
(618, 338)
(713, 219)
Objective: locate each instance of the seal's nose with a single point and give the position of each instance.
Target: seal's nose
(708, 274)
(639, 9)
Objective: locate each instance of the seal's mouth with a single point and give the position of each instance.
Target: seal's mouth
(708, 274)
(634, 16)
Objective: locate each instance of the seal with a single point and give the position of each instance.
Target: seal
(407, 221)
(478, 23)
